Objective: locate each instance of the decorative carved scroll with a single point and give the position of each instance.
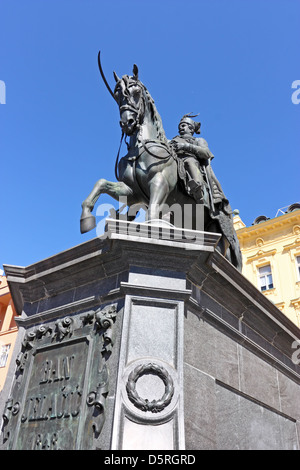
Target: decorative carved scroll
(104, 320)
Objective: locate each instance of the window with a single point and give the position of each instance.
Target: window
(298, 266)
(265, 278)
(4, 350)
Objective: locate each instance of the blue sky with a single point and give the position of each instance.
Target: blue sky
(232, 61)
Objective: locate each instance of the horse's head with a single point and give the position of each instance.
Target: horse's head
(136, 105)
(129, 94)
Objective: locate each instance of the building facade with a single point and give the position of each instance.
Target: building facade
(271, 257)
(8, 329)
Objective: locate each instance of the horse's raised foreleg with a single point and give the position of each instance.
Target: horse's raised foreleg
(115, 190)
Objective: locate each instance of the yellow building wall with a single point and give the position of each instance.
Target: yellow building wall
(8, 327)
(276, 242)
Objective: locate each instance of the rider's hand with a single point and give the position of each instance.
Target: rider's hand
(178, 146)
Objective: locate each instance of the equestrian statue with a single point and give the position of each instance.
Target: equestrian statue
(157, 173)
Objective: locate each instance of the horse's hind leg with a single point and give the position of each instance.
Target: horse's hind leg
(115, 190)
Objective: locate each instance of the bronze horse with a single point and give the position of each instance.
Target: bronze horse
(148, 174)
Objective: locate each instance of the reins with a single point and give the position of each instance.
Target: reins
(157, 144)
(117, 159)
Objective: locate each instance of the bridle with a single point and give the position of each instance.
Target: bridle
(130, 105)
(139, 112)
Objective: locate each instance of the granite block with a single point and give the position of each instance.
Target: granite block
(289, 396)
(210, 351)
(258, 379)
(199, 410)
(245, 425)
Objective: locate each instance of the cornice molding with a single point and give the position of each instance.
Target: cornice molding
(261, 254)
(268, 226)
(294, 245)
(296, 303)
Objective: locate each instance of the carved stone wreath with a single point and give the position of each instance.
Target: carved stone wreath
(155, 406)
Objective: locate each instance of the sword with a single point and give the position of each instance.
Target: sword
(209, 187)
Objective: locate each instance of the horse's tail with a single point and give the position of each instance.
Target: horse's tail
(236, 254)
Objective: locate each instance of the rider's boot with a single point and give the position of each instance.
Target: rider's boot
(196, 191)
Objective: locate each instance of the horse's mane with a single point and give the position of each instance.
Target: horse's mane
(155, 115)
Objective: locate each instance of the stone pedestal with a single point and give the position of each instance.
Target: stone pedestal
(147, 338)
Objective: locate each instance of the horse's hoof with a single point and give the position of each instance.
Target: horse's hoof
(87, 223)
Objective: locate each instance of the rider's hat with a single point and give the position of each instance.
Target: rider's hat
(187, 118)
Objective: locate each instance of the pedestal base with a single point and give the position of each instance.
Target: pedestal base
(132, 341)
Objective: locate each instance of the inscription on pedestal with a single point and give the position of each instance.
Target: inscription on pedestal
(50, 419)
(61, 384)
